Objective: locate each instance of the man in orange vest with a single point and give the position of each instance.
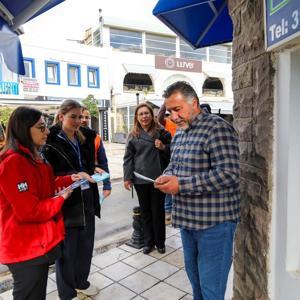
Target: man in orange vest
(100, 155)
(169, 125)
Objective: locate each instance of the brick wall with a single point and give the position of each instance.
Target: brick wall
(253, 112)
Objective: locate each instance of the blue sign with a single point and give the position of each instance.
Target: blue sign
(282, 20)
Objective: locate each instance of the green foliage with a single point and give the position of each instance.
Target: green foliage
(90, 103)
(5, 113)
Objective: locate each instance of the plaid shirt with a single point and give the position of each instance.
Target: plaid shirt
(205, 158)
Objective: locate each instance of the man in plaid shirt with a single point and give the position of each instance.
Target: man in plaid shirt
(203, 176)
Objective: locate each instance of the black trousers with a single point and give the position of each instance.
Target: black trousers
(30, 281)
(152, 201)
(73, 268)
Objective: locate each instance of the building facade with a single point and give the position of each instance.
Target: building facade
(120, 63)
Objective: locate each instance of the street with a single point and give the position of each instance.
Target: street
(116, 212)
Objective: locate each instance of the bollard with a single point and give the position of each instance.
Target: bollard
(137, 239)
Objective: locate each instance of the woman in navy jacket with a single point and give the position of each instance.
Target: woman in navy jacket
(70, 148)
(31, 224)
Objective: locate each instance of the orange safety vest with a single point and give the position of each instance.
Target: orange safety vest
(170, 126)
(97, 146)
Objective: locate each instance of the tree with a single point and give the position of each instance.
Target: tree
(90, 103)
(5, 113)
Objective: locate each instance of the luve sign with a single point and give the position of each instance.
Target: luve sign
(178, 64)
(282, 22)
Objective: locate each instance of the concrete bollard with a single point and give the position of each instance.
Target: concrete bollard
(137, 239)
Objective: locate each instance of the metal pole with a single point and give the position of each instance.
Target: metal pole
(137, 98)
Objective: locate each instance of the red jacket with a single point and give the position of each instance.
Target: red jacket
(30, 220)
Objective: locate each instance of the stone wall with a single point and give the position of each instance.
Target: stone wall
(253, 112)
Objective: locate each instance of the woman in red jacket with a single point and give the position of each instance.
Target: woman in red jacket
(31, 224)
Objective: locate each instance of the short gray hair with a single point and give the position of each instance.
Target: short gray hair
(182, 87)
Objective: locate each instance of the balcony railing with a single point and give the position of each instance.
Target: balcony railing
(9, 88)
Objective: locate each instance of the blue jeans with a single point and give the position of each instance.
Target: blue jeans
(168, 203)
(208, 257)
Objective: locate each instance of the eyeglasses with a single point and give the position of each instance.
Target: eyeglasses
(42, 127)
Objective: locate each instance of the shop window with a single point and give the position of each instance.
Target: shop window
(160, 45)
(138, 82)
(125, 40)
(186, 51)
(212, 86)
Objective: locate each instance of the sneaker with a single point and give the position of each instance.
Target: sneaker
(90, 291)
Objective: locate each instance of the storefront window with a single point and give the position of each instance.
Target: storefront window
(221, 54)
(125, 40)
(122, 120)
(160, 45)
(186, 51)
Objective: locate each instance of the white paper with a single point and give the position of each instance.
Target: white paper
(143, 177)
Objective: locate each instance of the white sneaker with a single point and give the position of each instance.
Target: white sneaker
(90, 291)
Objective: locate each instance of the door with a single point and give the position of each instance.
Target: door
(285, 226)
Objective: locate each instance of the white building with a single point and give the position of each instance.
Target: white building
(122, 63)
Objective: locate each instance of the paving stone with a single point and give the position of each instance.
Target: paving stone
(180, 281)
(158, 255)
(129, 249)
(118, 271)
(174, 242)
(94, 269)
(175, 258)
(115, 291)
(139, 260)
(139, 282)
(160, 270)
(52, 296)
(110, 257)
(52, 276)
(187, 297)
(138, 298)
(163, 291)
(51, 286)
(6, 295)
(99, 280)
(170, 231)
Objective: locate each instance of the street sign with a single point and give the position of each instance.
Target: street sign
(282, 22)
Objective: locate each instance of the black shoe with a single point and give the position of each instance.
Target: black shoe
(161, 250)
(147, 249)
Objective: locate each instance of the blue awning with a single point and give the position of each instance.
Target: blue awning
(200, 23)
(13, 14)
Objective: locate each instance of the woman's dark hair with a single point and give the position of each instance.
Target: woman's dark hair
(18, 128)
(64, 108)
(136, 131)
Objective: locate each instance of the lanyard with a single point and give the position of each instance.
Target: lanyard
(75, 146)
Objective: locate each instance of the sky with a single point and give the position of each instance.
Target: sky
(69, 19)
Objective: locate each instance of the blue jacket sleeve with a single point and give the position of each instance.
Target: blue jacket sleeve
(103, 164)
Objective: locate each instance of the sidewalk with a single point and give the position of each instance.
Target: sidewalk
(125, 273)
(115, 153)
